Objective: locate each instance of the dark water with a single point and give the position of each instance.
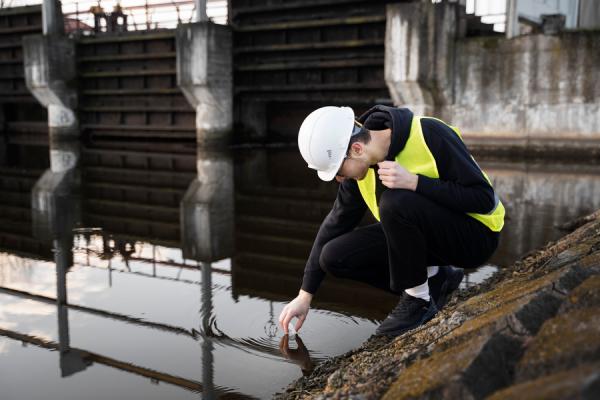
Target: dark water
(123, 291)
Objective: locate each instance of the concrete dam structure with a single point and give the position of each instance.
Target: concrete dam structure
(275, 61)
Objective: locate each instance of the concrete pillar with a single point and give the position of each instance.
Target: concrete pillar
(52, 18)
(201, 10)
(204, 74)
(206, 211)
(512, 19)
(589, 14)
(420, 47)
(50, 74)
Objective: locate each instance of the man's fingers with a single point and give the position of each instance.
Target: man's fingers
(282, 320)
(300, 322)
(386, 164)
(282, 314)
(286, 321)
(388, 183)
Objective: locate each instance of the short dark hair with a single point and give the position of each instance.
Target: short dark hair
(364, 137)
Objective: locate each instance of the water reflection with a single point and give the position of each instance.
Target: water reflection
(300, 355)
(136, 262)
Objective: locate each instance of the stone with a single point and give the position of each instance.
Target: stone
(563, 342)
(471, 369)
(585, 295)
(582, 382)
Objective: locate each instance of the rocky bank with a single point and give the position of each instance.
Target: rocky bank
(530, 331)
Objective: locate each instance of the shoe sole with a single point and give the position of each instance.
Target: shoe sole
(450, 286)
(428, 315)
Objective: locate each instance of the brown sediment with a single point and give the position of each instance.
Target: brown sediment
(532, 322)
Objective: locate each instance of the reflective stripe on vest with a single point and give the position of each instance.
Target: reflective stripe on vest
(417, 159)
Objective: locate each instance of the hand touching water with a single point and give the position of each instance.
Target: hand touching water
(296, 308)
(395, 176)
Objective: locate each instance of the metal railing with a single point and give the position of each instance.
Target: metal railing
(93, 16)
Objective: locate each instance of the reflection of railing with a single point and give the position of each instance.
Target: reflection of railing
(111, 362)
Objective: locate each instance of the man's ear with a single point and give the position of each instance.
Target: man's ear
(357, 148)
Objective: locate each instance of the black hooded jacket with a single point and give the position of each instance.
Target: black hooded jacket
(460, 187)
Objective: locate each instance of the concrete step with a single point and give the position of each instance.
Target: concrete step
(143, 36)
(127, 57)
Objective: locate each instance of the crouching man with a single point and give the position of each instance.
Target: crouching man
(435, 209)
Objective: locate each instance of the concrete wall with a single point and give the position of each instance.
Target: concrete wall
(532, 87)
(536, 92)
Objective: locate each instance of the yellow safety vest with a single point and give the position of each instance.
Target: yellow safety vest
(417, 159)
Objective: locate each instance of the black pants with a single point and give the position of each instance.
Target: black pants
(414, 233)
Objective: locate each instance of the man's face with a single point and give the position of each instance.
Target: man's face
(356, 164)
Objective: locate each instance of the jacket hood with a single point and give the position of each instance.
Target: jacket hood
(398, 120)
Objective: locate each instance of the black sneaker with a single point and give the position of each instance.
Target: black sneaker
(442, 284)
(408, 314)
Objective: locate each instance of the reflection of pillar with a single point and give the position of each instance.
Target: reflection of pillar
(55, 196)
(201, 11)
(207, 345)
(55, 225)
(50, 74)
(207, 209)
(207, 235)
(204, 74)
(71, 361)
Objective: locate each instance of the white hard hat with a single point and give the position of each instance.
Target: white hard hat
(323, 139)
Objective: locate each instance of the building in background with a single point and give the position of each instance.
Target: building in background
(528, 16)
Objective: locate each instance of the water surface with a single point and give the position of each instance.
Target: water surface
(112, 298)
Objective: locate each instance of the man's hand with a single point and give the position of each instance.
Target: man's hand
(296, 308)
(395, 176)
